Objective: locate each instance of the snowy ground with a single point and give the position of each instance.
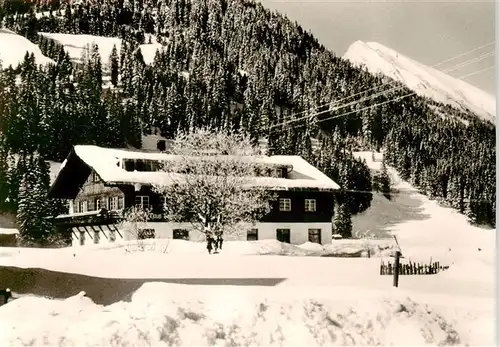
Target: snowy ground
(320, 301)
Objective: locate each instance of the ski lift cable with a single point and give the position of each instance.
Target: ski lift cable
(335, 103)
(366, 108)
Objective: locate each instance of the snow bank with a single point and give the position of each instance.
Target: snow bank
(313, 247)
(339, 248)
(177, 315)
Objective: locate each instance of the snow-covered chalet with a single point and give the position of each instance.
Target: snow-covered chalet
(100, 182)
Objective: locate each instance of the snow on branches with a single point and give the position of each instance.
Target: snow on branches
(216, 190)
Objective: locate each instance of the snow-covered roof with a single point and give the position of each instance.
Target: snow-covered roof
(107, 163)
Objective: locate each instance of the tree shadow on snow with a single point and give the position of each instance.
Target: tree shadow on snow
(103, 291)
(384, 214)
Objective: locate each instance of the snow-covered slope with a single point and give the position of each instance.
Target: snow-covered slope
(424, 80)
(13, 48)
(424, 228)
(76, 44)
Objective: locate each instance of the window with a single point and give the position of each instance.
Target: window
(142, 201)
(285, 204)
(310, 205)
(315, 235)
(283, 235)
(91, 205)
(121, 203)
(146, 234)
(163, 202)
(129, 165)
(253, 234)
(181, 234)
(95, 177)
(161, 145)
(97, 203)
(113, 203)
(140, 165)
(83, 206)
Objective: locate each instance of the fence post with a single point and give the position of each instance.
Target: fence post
(397, 255)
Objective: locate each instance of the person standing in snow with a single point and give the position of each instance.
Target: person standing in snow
(219, 241)
(210, 241)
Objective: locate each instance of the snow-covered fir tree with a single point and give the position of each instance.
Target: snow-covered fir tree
(342, 220)
(33, 208)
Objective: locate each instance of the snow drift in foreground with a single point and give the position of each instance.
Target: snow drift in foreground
(339, 248)
(173, 315)
(423, 79)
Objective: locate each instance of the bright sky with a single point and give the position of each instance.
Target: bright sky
(427, 31)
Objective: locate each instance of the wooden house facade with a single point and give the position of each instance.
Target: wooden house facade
(100, 183)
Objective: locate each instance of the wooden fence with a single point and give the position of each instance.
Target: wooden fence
(412, 268)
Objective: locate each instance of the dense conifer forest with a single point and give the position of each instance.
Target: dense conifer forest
(226, 64)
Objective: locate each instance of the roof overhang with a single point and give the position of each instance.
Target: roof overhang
(70, 178)
(99, 217)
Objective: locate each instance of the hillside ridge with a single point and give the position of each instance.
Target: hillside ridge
(425, 80)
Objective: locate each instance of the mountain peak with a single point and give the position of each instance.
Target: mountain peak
(424, 80)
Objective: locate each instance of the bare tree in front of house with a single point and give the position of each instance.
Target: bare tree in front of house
(214, 183)
(367, 237)
(135, 220)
